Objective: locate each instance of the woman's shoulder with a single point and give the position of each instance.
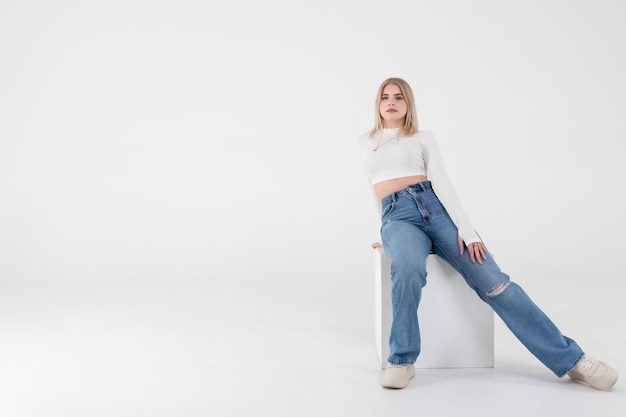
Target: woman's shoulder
(419, 134)
(362, 141)
(425, 136)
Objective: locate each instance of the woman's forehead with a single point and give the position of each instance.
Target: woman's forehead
(391, 89)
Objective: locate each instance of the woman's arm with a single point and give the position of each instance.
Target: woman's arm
(447, 195)
(377, 208)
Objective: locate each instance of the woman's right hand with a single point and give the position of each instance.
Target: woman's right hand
(477, 251)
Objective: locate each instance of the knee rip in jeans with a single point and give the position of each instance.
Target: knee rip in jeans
(497, 290)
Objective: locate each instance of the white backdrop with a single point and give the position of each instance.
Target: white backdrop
(182, 208)
(190, 142)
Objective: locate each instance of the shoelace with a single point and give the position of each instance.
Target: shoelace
(586, 365)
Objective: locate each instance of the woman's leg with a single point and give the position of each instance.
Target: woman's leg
(407, 248)
(407, 245)
(521, 315)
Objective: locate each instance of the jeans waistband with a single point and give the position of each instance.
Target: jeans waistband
(420, 187)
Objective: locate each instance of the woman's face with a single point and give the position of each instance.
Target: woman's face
(392, 106)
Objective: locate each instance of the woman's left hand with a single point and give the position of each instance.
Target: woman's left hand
(476, 251)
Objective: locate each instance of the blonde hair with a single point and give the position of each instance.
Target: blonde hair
(410, 120)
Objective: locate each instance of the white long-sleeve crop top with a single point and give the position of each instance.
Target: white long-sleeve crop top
(414, 155)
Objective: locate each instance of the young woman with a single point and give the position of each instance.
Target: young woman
(420, 213)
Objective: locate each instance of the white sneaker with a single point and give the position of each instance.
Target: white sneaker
(397, 376)
(594, 373)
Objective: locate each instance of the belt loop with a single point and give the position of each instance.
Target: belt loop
(423, 186)
(394, 197)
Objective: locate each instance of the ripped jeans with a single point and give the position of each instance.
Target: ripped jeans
(414, 224)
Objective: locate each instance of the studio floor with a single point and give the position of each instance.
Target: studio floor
(219, 350)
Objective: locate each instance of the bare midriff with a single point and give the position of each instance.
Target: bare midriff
(384, 188)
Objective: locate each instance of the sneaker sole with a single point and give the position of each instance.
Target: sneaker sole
(600, 384)
(395, 384)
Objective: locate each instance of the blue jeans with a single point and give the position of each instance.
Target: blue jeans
(414, 224)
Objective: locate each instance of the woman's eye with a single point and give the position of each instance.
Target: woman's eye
(399, 98)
